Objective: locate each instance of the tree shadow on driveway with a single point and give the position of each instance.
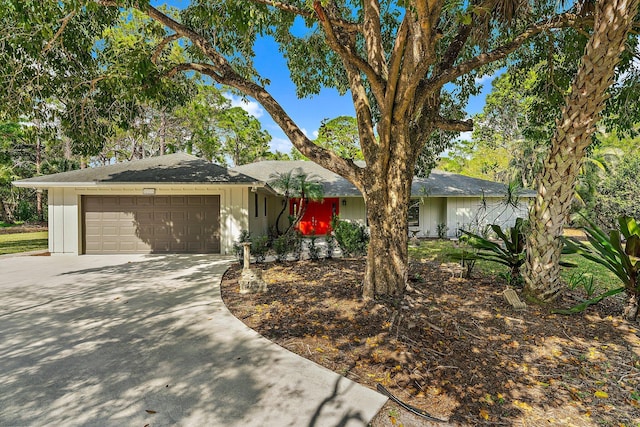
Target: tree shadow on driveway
(139, 342)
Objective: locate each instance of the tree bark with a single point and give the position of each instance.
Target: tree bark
(572, 136)
(387, 202)
(7, 212)
(386, 271)
(631, 309)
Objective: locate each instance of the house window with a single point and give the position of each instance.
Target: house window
(414, 214)
(255, 202)
(265, 206)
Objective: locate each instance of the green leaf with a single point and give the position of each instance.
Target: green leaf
(583, 306)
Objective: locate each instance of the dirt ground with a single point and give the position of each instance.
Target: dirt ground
(452, 347)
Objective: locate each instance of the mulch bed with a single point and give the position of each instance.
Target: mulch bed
(452, 346)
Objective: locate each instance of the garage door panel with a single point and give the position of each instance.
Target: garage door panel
(151, 224)
(178, 201)
(179, 216)
(161, 201)
(141, 202)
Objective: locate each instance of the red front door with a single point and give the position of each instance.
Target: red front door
(318, 215)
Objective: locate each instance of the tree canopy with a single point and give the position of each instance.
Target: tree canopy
(409, 67)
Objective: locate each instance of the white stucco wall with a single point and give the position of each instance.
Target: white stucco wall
(65, 211)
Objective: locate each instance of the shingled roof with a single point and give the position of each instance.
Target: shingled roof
(183, 168)
(169, 169)
(438, 184)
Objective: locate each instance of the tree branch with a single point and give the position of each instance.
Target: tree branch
(200, 67)
(162, 45)
(220, 63)
(395, 64)
(344, 24)
(349, 55)
(449, 75)
(63, 25)
(454, 125)
(222, 72)
(373, 37)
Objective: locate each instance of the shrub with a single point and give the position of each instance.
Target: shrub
(314, 250)
(288, 244)
(238, 249)
(25, 211)
(331, 245)
(441, 230)
(624, 262)
(510, 251)
(281, 248)
(351, 237)
(260, 247)
(295, 244)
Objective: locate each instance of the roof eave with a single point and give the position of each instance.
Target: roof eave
(45, 184)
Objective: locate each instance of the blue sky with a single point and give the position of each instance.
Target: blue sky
(308, 113)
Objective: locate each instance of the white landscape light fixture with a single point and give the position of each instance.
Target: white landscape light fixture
(148, 191)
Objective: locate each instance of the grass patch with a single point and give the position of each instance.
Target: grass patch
(602, 277)
(23, 242)
(441, 251)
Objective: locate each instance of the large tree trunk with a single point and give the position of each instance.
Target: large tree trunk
(572, 136)
(387, 257)
(387, 206)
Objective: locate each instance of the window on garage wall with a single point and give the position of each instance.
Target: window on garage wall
(255, 203)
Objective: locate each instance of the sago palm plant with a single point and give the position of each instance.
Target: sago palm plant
(509, 251)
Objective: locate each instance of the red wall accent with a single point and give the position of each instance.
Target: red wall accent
(318, 215)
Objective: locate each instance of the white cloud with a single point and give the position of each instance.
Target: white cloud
(305, 132)
(251, 107)
(315, 134)
(465, 136)
(484, 79)
(282, 145)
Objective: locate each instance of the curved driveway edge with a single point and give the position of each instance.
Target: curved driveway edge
(146, 340)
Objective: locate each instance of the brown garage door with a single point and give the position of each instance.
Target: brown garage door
(151, 224)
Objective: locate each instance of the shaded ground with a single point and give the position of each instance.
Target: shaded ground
(452, 347)
(135, 340)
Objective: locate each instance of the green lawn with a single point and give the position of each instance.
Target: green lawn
(23, 242)
(441, 251)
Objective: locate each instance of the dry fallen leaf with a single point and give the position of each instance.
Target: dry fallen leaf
(522, 405)
(149, 411)
(484, 414)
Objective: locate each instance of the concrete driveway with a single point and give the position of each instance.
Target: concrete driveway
(146, 340)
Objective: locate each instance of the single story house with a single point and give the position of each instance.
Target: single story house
(444, 201)
(179, 203)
